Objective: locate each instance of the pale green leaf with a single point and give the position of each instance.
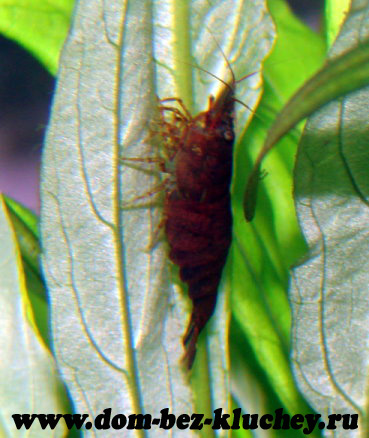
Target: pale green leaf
(117, 318)
(330, 288)
(29, 382)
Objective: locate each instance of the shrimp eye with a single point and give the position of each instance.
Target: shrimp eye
(196, 150)
(228, 135)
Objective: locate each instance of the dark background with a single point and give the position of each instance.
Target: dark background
(25, 96)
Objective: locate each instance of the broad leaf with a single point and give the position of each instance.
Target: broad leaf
(117, 318)
(29, 382)
(330, 288)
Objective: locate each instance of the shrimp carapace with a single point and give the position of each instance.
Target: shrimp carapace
(198, 219)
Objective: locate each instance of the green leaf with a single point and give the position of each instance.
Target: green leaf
(40, 26)
(265, 249)
(298, 53)
(335, 14)
(23, 389)
(330, 287)
(25, 224)
(342, 75)
(117, 319)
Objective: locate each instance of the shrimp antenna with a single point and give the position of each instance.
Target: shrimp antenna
(234, 80)
(224, 56)
(226, 83)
